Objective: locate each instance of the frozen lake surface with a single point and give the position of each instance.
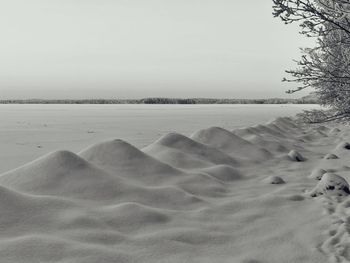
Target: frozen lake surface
(29, 131)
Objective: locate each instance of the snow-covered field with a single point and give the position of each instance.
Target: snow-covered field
(269, 193)
(29, 131)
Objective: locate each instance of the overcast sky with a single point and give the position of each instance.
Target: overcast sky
(144, 48)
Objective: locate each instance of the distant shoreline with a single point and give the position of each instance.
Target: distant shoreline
(162, 101)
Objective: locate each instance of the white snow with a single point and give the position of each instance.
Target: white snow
(219, 195)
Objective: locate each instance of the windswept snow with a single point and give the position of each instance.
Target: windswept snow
(256, 194)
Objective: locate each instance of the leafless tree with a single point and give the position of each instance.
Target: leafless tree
(325, 67)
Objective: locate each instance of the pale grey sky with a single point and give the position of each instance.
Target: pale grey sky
(144, 48)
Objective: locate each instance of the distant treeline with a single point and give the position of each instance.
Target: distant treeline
(164, 101)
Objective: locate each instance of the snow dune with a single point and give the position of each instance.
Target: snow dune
(268, 193)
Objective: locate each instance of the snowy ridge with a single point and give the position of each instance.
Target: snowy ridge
(255, 194)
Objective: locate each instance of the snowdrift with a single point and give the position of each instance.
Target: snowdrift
(274, 192)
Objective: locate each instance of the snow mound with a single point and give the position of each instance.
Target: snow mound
(317, 173)
(224, 172)
(284, 123)
(330, 156)
(274, 180)
(63, 173)
(270, 130)
(312, 135)
(296, 156)
(246, 132)
(183, 152)
(230, 143)
(332, 185)
(343, 146)
(271, 144)
(121, 158)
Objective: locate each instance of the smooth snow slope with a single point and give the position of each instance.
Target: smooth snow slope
(251, 195)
